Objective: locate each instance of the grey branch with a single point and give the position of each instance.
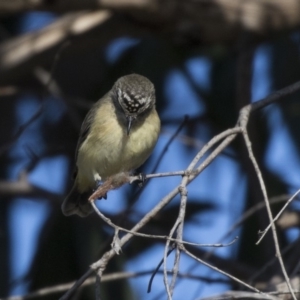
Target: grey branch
(219, 21)
(202, 20)
(226, 137)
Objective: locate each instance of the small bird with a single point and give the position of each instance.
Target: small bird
(117, 135)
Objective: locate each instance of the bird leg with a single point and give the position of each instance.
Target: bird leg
(141, 179)
(110, 183)
(98, 181)
(97, 177)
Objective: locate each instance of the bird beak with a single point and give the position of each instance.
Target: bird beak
(129, 123)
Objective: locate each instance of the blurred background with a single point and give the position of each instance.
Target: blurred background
(207, 59)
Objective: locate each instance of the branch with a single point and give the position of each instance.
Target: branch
(107, 278)
(22, 187)
(242, 295)
(247, 214)
(263, 233)
(219, 21)
(153, 236)
(227, 137)
(224, 273)
(202, 20)
(243, 117)
(22, 54)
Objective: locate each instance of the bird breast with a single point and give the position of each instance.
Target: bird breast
(108, 150)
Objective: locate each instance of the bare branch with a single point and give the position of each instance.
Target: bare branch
(227, 137)
(241, 295)
(22, 187)
(210, 21)
(15, 53)
(224, 273)
(250, 212)
(276, 96)
(263, 233)
(106, 278)
(152, 236)
(244, 117)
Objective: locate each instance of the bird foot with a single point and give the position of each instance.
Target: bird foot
(141, 179)
(98, 185)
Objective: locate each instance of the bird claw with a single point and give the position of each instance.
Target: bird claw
(141, 179)
(98, 184)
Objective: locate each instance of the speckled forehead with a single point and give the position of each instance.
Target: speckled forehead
(131, 99)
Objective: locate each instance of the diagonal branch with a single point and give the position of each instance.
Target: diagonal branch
(226, 137)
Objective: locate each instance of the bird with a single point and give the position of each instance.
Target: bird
(117, 135)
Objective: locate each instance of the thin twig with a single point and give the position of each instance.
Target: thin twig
(107, 278)
(265, 196)
(98, 288)
(170, 141)
(269, 263)
(77, 284)
(251, 211)
(152, 236)
(242, 295)
(158, 175)
(166, 251)
(180, 222)
(263, 233)
(229, 135)
(156, 271)
(276, 96)
(246, 216)
(222, 272)
(283, 293)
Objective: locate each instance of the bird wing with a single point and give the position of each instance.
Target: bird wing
(85, 129)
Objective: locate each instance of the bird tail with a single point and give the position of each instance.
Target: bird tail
(77, 203)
